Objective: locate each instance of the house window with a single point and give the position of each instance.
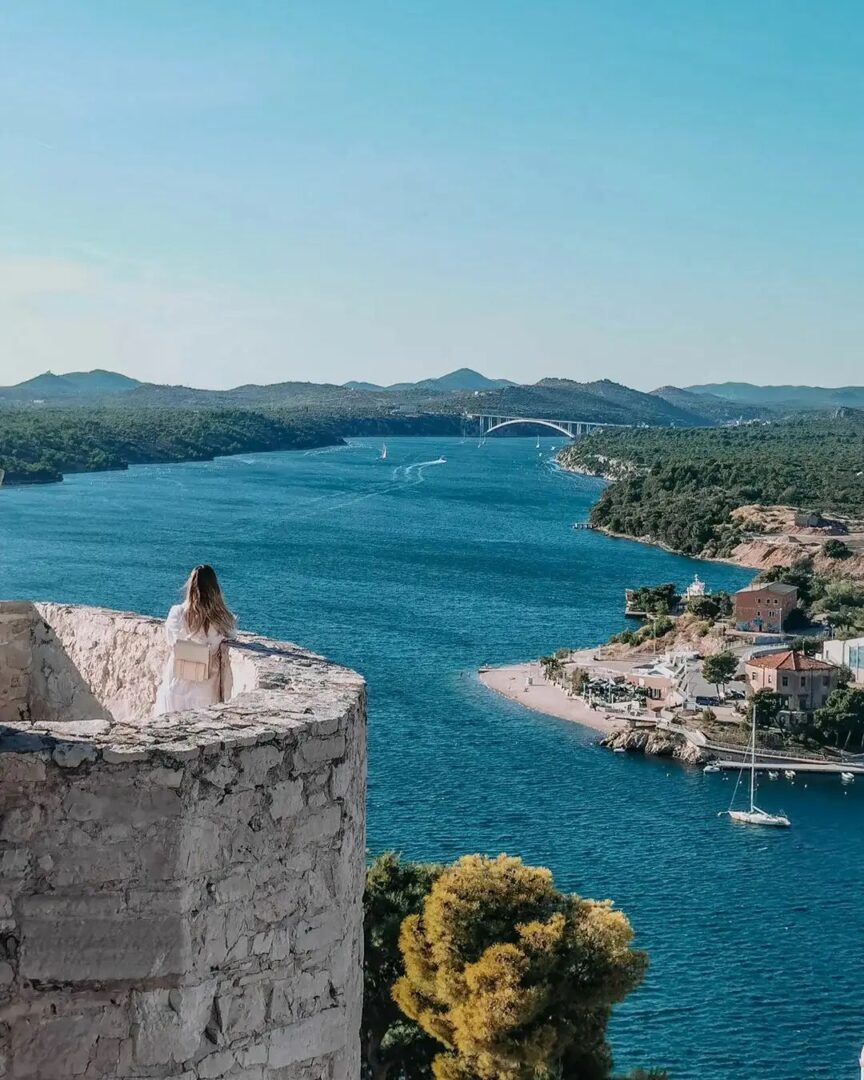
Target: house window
(785, 680)
(803, 682)
(754, 676)
(825, 680)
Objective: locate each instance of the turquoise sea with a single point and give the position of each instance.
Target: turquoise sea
(415, 574)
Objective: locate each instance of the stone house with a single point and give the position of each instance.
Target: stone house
(803, 681)
(764, 606)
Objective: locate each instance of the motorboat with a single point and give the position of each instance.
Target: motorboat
(711, 767)
(847, 777)
(790, 774)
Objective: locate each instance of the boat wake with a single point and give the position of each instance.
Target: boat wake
(331, 449)
(402, 478)
(421, 466)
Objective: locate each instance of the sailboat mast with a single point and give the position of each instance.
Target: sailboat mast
(753, 759)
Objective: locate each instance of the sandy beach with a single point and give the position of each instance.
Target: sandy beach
(543, 697)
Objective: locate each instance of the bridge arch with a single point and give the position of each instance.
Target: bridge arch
(529, 420)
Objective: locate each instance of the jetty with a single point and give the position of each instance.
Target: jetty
(784, 764)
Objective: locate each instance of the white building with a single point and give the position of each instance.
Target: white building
(849, 653)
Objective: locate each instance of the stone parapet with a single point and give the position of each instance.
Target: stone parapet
(180, 896)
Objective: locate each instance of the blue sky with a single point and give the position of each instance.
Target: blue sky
(220, 192)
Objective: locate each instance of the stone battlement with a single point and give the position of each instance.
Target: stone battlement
(180, 896)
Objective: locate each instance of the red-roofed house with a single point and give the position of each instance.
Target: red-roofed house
(764, 606)
(805, 682)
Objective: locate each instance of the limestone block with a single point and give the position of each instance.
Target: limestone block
(70, 755)
(170, 1025)
(256, 763)
(108, 802)
(20, 769)
(308, 1038)
(286, 799)
(215, 1065)
(242, 1011)
(312, 752)
(52, 1049)
(325, 929)
(86, 949)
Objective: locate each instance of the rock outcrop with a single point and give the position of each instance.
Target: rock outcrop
(179, 897)
(654, 741)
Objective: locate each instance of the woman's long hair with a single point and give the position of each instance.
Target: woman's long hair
(204, 605)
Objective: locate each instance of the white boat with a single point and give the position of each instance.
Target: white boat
(383, 454)
(538, 442)
(760, 817)
(790, 774)
(711, 767)
(847, 777)
(755, 816)
(773, 774)
(618, 750)
(440, 461)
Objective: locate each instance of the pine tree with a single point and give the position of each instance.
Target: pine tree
(515, 979)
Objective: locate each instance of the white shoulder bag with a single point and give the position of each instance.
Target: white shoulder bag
(192, 661)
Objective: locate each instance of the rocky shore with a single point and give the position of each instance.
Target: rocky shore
(656, 742)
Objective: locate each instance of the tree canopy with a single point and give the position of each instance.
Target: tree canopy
(655, 599)
(678, 486)
(719, 668)
(392, 1044)
(40, 445)
(513, 978)
(840, 721)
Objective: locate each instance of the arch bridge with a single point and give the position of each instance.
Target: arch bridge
(490, 423)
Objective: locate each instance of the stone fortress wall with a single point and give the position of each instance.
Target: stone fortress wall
(179, 897)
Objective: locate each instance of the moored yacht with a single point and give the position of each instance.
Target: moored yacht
(755, 816)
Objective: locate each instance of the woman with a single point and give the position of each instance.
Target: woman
(192, 673)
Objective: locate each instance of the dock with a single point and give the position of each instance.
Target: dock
(835, 767)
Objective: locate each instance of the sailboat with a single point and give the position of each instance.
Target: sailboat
(755, 816)
(538, 442)
(383, 454)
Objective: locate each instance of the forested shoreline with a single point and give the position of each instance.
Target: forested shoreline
(678, 487)
(40, 446)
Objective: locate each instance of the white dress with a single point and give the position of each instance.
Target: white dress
(175, 695)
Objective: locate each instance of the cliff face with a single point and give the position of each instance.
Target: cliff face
(765, 553)
(182, 896)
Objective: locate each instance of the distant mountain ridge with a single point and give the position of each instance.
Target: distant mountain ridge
(75, 384)
(461, 379)
(785, 397)
(721, 409)
(457, 394)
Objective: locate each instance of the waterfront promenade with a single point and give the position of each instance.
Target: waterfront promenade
(539, 695)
